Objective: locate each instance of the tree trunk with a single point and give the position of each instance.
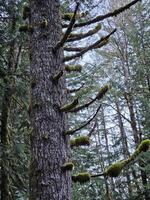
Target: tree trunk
(6, 103)
(49, 147)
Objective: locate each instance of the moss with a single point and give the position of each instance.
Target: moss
(72, 143)
(25, 28)
(73, 68)
(68, 166)
(44, 23)
(144, 146)
(68, 16)
(102, 92)
(80, 141)
(81, 177)
(26, 12)
(98, 27)
(57, 76)
(115, 169)
(70, 106)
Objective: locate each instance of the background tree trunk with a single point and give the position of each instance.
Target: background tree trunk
(49, 147)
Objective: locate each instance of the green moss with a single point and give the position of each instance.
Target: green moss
(72, 143)
(80, 141)
(102, 92)
(44, 23)
(115, 169)
(73, 68)
(144, 145)
(68, 16)
(98, 27)
(81, 177)
(25, 28)
(68, 166)
(57, 76)
(26, 12)
(70, 106)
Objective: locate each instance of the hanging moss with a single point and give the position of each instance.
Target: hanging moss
(115, 169)
(70, 106)
(81, 177)
(80, 141)
(102, 92)
(68, 166)
(26, 12)
(73, 68)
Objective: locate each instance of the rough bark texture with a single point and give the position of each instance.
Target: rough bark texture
(49, 147)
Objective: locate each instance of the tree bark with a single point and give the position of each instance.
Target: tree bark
(49, 147)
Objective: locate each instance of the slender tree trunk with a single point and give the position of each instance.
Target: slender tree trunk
(49, 147)
(6, 103)
(124, 144)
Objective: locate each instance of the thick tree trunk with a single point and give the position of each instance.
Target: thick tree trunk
(49, 147)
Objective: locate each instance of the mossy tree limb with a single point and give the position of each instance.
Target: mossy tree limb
(68, 31)
(94, 45)
(102, 17)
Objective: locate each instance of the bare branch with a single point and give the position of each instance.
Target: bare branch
(102, 17)
(75, 90)
(68, 58)
(68, 31)
(72, 131)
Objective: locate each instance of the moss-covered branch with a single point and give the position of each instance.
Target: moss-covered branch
(102, 17)
(79, 49)
(68, 16)
(73, 68)
(100, 95)
(69, 166)
(81, 177)
(75, 37)
(115, 169)
(68, 31)
(98, 43)
(68, 107)
(80, 141)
